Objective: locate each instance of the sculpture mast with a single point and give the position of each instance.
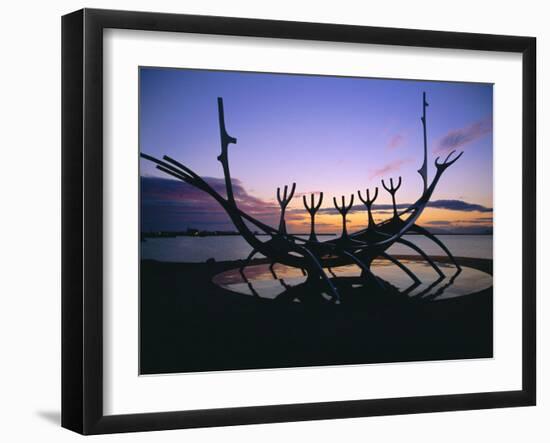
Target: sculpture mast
(423, 171)
(226, 139)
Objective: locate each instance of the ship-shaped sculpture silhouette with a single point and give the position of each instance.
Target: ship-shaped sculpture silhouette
(311, 255)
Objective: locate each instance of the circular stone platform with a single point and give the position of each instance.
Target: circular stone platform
(261, 280)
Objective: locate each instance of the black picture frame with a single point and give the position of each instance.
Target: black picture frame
(82, 215)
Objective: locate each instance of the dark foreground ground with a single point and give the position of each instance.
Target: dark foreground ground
(188, 324)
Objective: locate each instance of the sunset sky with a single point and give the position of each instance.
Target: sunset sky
(331, 134)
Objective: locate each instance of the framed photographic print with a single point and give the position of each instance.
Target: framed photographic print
(270, 221)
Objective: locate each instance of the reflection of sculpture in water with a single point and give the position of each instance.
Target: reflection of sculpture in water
(282, 283)
(266, 281)
(313, 256)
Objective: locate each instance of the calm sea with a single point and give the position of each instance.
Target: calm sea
(200, 249)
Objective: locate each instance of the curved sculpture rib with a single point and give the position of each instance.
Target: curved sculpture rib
(401, 266)
(423, 254)
(438, 242)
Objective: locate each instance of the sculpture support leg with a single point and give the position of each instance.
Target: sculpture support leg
(320, 271)
(365, 269)
(276, 277)
(401, 266)
(423, 254)
(439, 243)
(243, 275)
(247, 260)
(427, 290)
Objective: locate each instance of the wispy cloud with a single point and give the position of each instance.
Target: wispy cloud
(438, 222)
(461, 137)
(389, 167)
(478, 225)
(307, 194)
(458, 205)
(452, 205)
(395, 141)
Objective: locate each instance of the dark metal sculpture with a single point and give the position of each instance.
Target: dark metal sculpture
(368, 202)
(343, 210)
(312, 255)
(312, 209)
(283, 203)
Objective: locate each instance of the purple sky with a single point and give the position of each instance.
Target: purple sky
(331, 134)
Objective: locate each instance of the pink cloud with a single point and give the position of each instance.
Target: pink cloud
(464, 136)
(389, 167)
(395, 141)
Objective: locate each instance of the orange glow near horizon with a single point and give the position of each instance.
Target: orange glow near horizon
(430, 218)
